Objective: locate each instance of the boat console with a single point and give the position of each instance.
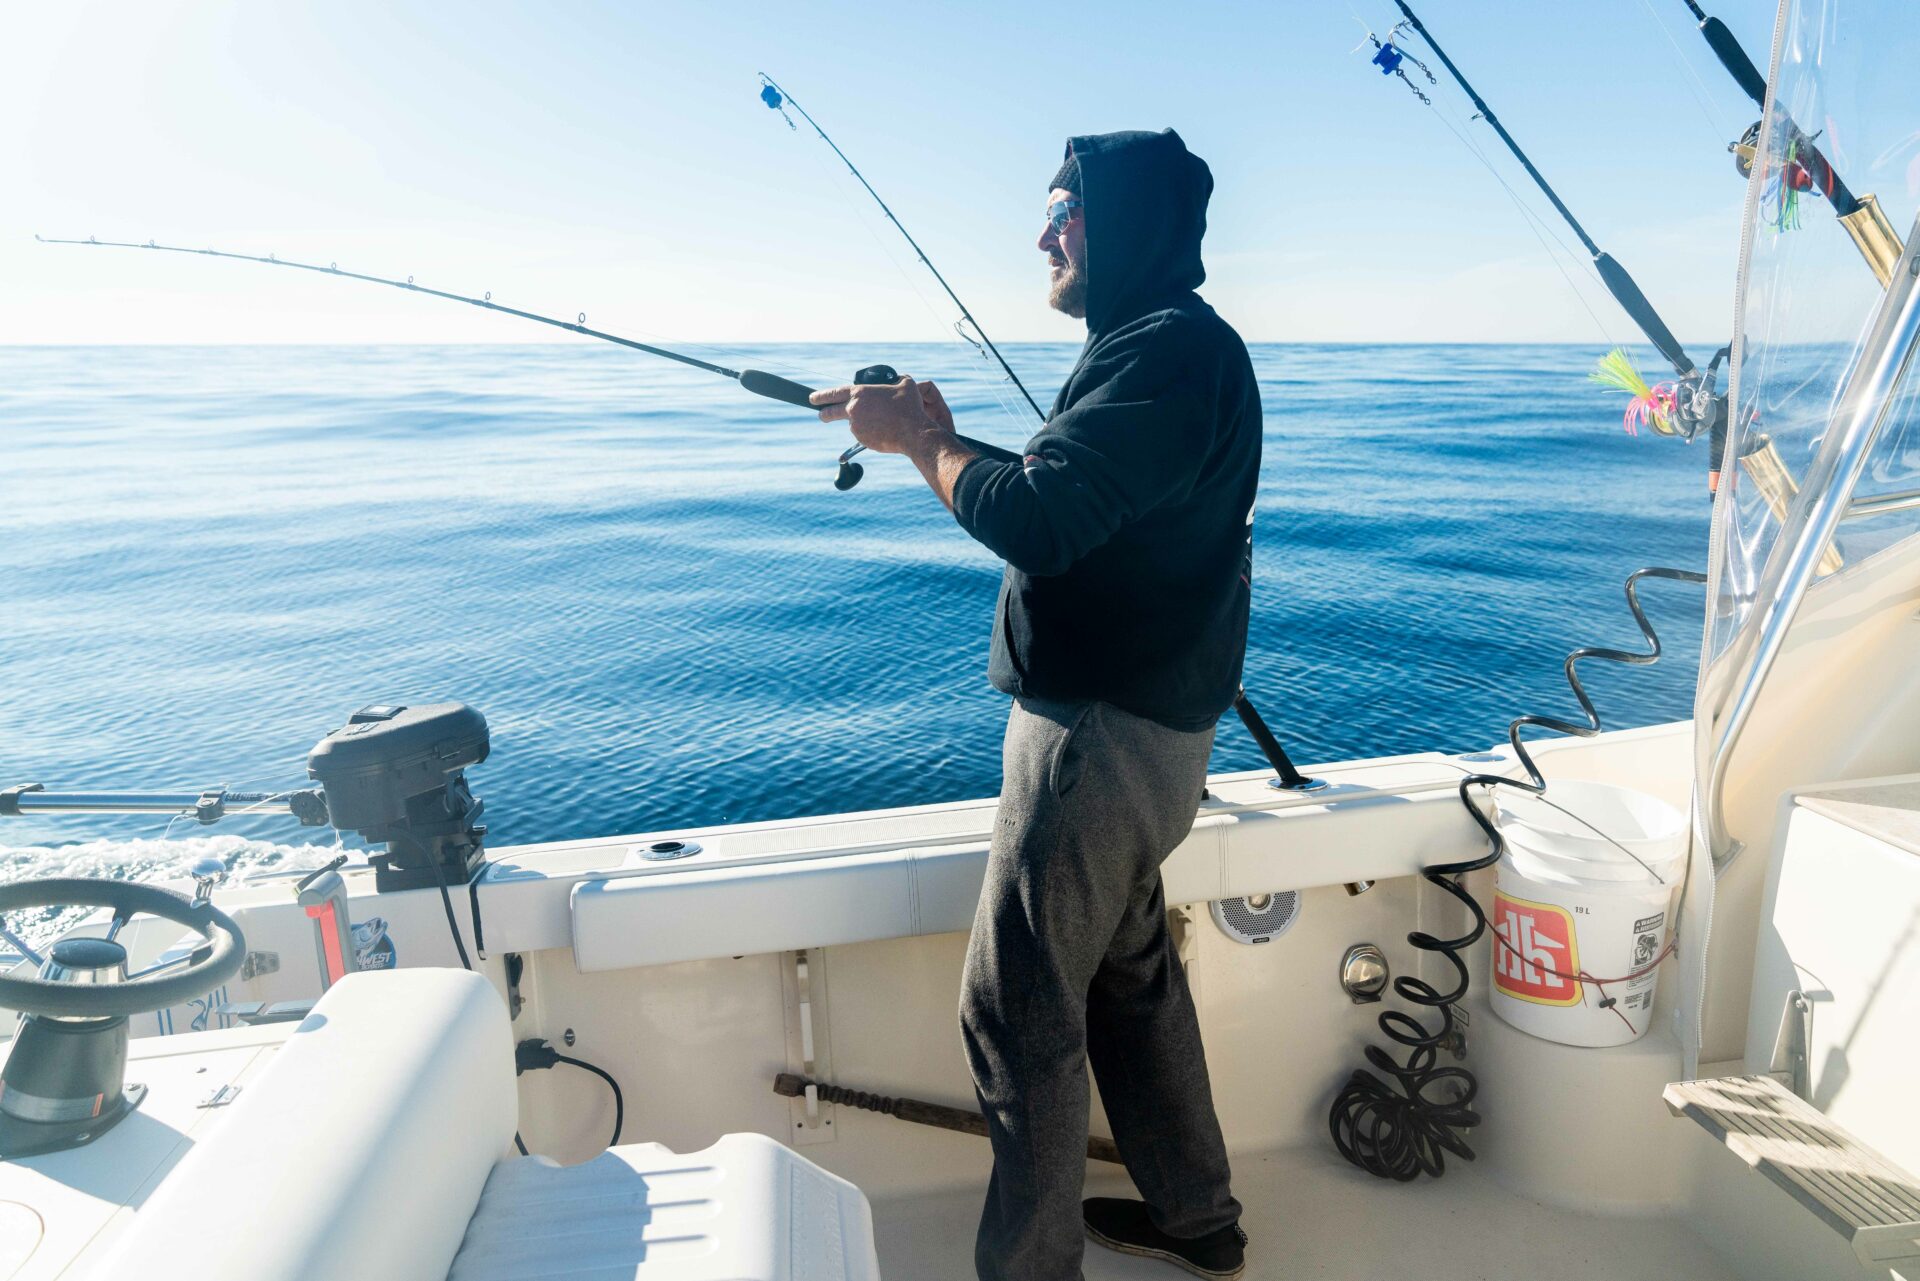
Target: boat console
(368, 1132)
(64, 1081)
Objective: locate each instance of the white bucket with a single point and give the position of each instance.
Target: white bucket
(1583, 902)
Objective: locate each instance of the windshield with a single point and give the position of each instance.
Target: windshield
(1809, 294)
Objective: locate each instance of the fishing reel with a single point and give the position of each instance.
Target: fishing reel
(1794, 175)
(1699, 408)
(1744, 149)
(850, 471)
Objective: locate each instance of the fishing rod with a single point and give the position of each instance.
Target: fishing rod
(1807, 167)
(777, 99)
(757, 381)
(1615, 277)
(1286, 776)
(1402, 1118)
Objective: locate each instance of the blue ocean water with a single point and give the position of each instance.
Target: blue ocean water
(645, 580)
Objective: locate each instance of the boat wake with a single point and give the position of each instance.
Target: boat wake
(140, 859)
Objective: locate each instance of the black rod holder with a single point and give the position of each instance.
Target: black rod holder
(1290, 779)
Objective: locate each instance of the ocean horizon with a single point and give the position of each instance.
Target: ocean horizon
(643, 576)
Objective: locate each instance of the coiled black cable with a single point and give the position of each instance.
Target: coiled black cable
(1400, 1123)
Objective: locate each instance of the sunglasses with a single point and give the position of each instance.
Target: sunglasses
(1060, 213)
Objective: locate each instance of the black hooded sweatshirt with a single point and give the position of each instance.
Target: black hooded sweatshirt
(1127, 525)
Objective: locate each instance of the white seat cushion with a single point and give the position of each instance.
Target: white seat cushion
(745, 1209)
(360, 1152)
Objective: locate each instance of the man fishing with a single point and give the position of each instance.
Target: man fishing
(1120, 631)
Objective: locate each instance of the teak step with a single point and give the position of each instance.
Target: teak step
(1859, 1193)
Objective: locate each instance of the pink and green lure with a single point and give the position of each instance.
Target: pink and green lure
(1780, 198)
(1652, 405)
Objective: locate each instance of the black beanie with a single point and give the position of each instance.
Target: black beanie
(1068, 179)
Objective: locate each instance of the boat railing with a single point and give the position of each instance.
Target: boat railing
(1883, 504)
(1860, 412)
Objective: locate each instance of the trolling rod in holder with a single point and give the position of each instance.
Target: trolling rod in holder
(1695, 414)
(1865, 222)
(757, 381)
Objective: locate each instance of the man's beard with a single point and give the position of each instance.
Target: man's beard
(1068, 294)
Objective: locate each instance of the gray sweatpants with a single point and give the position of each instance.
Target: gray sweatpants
(1071, 960)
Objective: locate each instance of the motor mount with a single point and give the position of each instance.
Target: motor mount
(394, 775)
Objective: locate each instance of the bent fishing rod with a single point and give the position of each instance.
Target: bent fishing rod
(1287, 776)
(776, 98)
(1806, 167)
(757, 381)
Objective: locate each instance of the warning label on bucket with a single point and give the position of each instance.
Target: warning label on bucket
(1537, 946)
(1644, 946)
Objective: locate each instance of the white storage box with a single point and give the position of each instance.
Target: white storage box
(745, 1209)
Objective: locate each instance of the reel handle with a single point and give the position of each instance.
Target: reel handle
(850, 471)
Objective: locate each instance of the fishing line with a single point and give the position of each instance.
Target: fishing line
(837, 178)
(240, 785)
(1618, 282)
(1003, 391)
(1696, 86)
(1461, 128)
(1540, 228)
(1687, 407)
(778, 99)
(756, 381)
(1389, 57)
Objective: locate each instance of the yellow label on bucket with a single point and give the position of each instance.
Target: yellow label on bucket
(1535, 952)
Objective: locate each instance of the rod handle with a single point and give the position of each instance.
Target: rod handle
(1735, 60)
(1635, 304)
(774, 387)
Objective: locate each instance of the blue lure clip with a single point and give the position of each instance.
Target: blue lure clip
(1390, 58)
(775, 100)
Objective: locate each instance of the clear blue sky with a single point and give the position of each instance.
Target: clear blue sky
(615, 159)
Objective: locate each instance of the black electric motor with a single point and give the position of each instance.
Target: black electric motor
(394, 775)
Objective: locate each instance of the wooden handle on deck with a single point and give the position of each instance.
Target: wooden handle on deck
(918, 1111)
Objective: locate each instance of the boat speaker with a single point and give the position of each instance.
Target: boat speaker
(1257, 918)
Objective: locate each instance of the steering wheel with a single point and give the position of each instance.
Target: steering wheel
(154, 988)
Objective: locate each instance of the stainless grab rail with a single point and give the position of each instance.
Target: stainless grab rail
(1881, 504)
(1859, 414)
(214, 802)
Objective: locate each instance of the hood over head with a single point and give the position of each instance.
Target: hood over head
(1146, 210)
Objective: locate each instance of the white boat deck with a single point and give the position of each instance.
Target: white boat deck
(1309, 1215)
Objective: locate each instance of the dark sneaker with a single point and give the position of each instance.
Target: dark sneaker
(1125, 1226)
